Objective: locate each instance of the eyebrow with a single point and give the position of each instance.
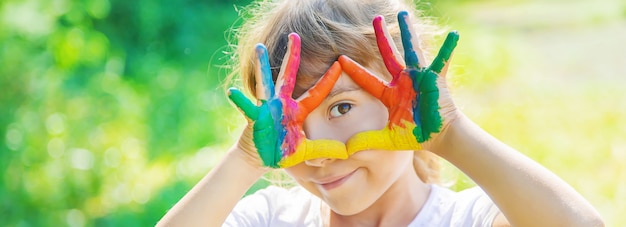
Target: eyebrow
(342, 89)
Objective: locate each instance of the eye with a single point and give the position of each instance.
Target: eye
(340, 109)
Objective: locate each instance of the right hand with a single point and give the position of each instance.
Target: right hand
(416, 97)
(274, 133)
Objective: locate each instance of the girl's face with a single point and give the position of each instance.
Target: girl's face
(352, 185)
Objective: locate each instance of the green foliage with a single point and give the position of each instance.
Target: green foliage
(100, 101)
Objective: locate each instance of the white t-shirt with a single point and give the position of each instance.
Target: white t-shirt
(274, 206)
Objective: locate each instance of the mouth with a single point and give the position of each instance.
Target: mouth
(329, 183)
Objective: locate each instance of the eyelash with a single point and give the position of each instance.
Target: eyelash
(335, 111)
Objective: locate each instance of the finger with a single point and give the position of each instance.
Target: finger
(412, 51)
(316, 94)
(243, 103)
(263, 74)
(445, 52)
(365, 79)
(287, 77)
(387, 47)
(444, 71)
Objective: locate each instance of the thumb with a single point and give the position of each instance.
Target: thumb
(445, 52)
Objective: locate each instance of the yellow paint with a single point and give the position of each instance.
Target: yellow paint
(312, 149)
(394, 138)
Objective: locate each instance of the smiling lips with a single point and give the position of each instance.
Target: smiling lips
(333, 182)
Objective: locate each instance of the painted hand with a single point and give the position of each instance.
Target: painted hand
(413, 94)
(277, 119)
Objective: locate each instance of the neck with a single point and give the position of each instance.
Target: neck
(398, 206)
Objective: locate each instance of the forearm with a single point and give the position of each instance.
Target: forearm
(527, 193)
(211, 200)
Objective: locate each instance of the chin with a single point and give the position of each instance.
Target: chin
(348, 207)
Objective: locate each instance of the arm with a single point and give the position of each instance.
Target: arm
(527, 193)
(211, 200)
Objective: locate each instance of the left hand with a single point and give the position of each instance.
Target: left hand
(417, 97)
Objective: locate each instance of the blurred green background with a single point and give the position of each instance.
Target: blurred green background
(111, 110)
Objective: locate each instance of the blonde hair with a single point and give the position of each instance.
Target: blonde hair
(328, 29)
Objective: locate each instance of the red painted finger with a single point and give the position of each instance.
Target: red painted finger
(387, 47)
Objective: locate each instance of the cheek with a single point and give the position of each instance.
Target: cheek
(300, 172)
(316, 126)
(370, 116)
(378, 114)
(296, 172)
(384, 167)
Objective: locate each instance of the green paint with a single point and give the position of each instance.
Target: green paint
(428, 101)
(445, 52)
(429, 106)
(243, 103)
(265, 137)
(426, 113)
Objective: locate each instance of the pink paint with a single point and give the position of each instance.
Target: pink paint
(294, 135)
(290, 107)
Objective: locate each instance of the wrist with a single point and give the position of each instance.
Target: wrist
(440, 142)
(248, 163)
(462, 138)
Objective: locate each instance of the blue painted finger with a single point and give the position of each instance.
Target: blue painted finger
(410, 56)
(265, 70)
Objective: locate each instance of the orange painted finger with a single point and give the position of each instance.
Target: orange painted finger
(364, 78)
(316, 94)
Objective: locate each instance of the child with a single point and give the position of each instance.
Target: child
(359, 147)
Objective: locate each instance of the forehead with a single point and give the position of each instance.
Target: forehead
(343, 84)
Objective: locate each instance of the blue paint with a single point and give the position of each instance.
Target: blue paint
(410, 56)
(266, 72)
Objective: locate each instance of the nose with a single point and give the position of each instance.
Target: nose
(318, 162)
